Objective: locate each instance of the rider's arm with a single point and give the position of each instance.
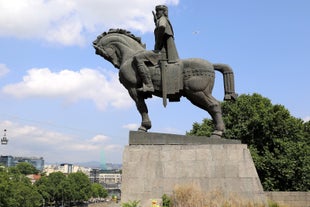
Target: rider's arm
(160, 32)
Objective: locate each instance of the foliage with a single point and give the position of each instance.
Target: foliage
(26, 168)
(203, 129)
(16, 190)
(166, 200)
(273, 204)
(98, 191)
(79, 186)
(279, 142)
(134, 203)
(59, 188)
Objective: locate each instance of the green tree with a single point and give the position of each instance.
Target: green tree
(80, 186)
(307, 131)
(55, 187)
(26, 168)
(60, 189)
(16, 190)
(6, 195)
(279, 142)
(26, 195)
(98, 191)
(203, 129)
(43, 188)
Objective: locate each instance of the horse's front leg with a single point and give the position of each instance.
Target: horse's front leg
(146, 122)
(142, 108)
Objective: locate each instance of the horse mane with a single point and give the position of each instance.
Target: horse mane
(120, 31)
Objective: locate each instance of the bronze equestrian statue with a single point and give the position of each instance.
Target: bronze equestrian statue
(145, 73)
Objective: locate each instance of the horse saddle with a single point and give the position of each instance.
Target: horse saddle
(169, 80)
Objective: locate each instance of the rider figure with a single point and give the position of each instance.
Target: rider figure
(164, 48)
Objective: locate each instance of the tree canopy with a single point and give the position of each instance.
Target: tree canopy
(26, 168)
(279, 142)
(72, 188)
(16, 190)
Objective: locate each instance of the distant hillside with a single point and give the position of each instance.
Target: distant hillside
(95, 164)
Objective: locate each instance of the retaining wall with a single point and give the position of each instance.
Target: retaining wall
(290, 199)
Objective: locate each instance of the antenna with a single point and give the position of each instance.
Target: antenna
(4, 140)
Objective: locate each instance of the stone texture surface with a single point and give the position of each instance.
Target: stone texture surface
(290, 199)
(141, 138)
(151, 170)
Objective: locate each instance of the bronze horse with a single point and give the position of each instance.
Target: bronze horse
(119, 47)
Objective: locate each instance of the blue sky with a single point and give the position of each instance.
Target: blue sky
(62, 102)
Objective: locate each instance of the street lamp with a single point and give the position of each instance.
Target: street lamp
(4, 140)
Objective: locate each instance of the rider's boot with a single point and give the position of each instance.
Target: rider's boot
(147, 85)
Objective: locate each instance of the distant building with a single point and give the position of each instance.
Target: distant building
(7, 161)
(33, 178)
(94, 175)
(65, 168)
(38, 163)
(10, 161)
(109, 179)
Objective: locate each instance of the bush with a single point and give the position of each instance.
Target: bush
(166, 200)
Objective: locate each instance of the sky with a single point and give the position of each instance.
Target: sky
(62, 102)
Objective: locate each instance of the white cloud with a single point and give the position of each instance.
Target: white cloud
(103, 88)
(131, 126)
(27, 140)
(99, 138)
(68, 21)
(3, 70)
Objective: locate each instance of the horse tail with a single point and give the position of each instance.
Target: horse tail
(229, 81)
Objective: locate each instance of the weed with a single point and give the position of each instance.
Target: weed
(134, 203)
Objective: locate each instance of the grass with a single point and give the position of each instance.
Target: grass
(134, 203)
(191, 195)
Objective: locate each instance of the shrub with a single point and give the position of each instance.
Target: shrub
(166, 200)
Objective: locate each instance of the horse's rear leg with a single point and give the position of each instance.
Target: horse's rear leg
(207, 102)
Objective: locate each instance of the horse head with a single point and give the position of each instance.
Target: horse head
(117, 46)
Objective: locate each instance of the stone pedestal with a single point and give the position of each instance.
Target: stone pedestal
(154, 163)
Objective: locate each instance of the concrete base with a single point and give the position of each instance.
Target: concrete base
(151, 170)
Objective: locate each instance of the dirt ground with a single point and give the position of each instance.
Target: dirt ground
(105, 204)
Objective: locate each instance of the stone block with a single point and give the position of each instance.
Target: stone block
(151, 170)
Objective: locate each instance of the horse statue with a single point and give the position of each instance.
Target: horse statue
(191, 78)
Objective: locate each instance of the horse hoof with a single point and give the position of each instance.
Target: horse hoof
(142, 129)
(146, 125)
(217, 134)
(231, 97)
